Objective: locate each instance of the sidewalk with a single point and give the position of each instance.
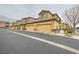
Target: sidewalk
(62, 34)
(74, 36)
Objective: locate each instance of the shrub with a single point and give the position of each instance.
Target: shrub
(69, 31)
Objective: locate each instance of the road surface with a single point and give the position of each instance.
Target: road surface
(18, 42)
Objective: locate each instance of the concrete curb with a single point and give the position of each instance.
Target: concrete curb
(63, 36)
(55, 34)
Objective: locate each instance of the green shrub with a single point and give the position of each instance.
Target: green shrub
(69, 31)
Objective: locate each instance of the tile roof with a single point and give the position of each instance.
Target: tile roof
(46, 11)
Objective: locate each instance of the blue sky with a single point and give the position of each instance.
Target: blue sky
(18, 11)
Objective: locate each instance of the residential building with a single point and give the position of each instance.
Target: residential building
(64, 26)
(25, 24)
(4, 24)
(47, 22)
(11, 26)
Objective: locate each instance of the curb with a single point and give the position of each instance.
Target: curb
(63, 36)
(53, 34)
(56, 34)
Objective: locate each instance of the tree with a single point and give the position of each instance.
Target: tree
(72, 16)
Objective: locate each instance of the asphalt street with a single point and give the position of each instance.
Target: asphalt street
(11, 43)
(58, 39)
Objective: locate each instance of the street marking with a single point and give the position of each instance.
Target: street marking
(49, 42)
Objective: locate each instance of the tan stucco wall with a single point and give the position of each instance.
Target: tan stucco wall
(42, 26)
(46, 16)
(56, 25)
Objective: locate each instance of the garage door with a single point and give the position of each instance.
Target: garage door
(30, 28)
(44, 28)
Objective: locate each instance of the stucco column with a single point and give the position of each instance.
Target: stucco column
(52, 24)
